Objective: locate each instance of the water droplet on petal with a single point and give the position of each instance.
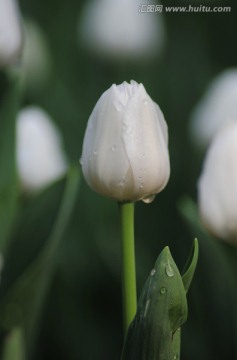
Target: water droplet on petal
(118, 107)
(81, 161)
(114, 148)
(141, 186)
(122, 182)
(149, 199)
(153, 271)
(169, 270)
(145, 102)
(162, 290)
(128, 130)
(95, 152)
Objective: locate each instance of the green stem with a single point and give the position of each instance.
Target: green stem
(128, 264)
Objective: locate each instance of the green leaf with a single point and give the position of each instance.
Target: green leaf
(190, 266)
(162, 309)
(23, 299)
(8, 178)
(14, 345)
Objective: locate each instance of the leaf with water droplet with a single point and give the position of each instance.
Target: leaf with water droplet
(154, 333)
(153, 271)
(162, 290)
(169, 270)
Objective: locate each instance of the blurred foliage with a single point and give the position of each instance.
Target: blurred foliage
(80, 301)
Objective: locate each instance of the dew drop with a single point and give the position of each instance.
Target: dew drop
(176, 356)
(169, 270)
(145, 102)
(81, 161)
(118, 107)
(114, 148)
(162, 290)
(95, 152)
(122, 182)
(128, 130)
(153, 271)
(141, 186)
(149, 199)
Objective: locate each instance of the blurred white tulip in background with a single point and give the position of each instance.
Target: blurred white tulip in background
(36, 59)
(217, 185)
(40, 155)
(116, 29)
(11, 39)
(217, 107)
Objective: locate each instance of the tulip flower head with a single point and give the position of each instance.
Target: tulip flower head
(217, 107)
(125, 150)
(217, 185)
(40, 158)
(11, 38)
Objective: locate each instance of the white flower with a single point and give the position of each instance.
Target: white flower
(10, 33)
(40, 158)
(125, 150)
(36, 62)
(217, 186)
(217, 107)
(116, 29)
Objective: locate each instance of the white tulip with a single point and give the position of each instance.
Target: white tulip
(217, 107)
(40, 158)
(116, 29)
(125, 149)
(11, 39)
(36, 61)
(217, 186)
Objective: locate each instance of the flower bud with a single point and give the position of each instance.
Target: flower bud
(217, 107)
(40, 158)
(125, 149)
(10, 33)
(217, 185)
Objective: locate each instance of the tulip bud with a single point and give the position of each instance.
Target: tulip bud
(10, 33)
(40, 158)
(217, 107)
(125, 149)
(217, 186)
